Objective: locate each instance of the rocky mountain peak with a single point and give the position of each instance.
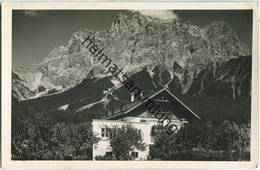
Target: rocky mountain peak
(223, 41)
(136, 41)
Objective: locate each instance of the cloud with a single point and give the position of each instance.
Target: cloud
(161, 14)
(31, 13)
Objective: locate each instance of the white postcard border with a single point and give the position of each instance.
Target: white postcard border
(7, 8)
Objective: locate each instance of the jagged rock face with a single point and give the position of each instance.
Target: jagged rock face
(231, 78)
(161, 76)
(220, 38)
(66, 66)
(30, 84)
(20, 90)
(134, 42)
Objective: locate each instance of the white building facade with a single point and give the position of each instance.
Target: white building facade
(100, 129)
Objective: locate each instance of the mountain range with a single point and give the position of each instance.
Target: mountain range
(205, 67)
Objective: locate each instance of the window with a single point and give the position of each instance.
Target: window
(135, 154)
(142, 120)
(108, 132)
(109, 154)
(105, 132)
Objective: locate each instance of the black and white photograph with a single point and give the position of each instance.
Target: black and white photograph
(131, 85)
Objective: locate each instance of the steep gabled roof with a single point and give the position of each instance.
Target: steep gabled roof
(182, 103)
(185, 109)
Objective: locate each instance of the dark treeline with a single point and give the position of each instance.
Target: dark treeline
(47, 136)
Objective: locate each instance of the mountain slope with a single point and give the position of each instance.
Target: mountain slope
(135, 41)
(193, 63)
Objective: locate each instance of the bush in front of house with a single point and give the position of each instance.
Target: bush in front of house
(204, 141)
(124, 140)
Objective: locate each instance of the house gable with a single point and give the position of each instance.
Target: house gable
(166, 103)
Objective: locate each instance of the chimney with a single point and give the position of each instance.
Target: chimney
(132, 97)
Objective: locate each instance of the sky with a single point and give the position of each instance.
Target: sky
(36, 32)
